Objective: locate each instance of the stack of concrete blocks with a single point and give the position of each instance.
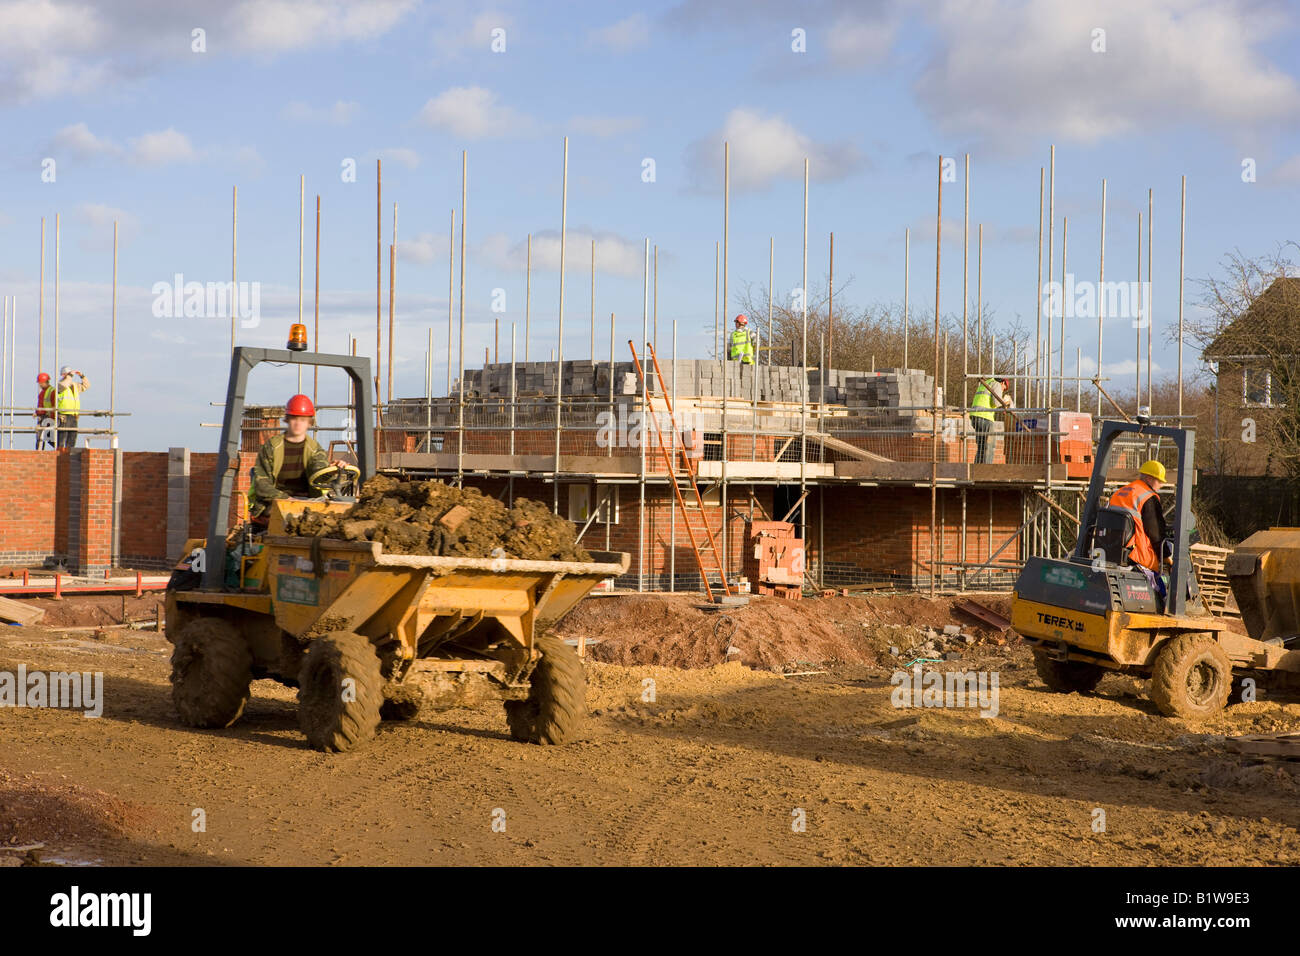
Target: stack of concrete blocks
(905, 389)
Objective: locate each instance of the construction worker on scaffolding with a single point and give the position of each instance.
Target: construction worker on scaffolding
(68, 402)
(286, 462)
(45, 412)
(990, 394)
(742, 346)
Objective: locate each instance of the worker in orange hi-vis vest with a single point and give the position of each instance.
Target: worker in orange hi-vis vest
(1141, 499)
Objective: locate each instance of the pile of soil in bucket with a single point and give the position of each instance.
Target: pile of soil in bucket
(429, 517)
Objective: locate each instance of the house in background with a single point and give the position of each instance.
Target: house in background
(1255, 363)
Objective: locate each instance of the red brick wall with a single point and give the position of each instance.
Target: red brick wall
(29, 496)
(38, 506)
(95, 550)
(869, 535)
(203, 466)
(883, 534)
(144, 506)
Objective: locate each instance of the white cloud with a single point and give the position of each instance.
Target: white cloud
(854, 42)
(51, 48)
(78, 140)
(99, 219)
(401, 155)
(627, 34)
(472, 112)
(99, 214)
(605, 125)
(162, 147)
(763, 150)
(1008, 69)
(423, 249)
(340, 114)
(614, 254)
(276, 25)
(452, 43)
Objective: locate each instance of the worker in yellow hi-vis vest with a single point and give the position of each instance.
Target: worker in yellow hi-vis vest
(68, 402)
(990, 394)
(741, 344)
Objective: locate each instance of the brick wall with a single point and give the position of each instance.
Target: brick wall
(58, 506)
(144, 508)
(867, 535)
(29, 490)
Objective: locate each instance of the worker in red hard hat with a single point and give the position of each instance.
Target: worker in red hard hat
(741, 346)
(285, 461)
(45, 413)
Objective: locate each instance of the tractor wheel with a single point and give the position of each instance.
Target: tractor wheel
(555, 703)
(212, 668)
(1068, 677)
(340, 690)
(1192, 677)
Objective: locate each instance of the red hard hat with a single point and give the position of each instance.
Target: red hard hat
(741, 320)
(43, 378)
(299, 405)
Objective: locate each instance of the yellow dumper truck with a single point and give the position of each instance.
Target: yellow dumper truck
(364, 635)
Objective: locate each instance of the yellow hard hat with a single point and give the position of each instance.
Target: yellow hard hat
(1154, 469)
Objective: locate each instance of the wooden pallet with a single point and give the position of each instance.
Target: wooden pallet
(1216, 590)
(19, 613)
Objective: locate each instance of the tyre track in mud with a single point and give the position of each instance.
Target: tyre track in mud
(708, 775)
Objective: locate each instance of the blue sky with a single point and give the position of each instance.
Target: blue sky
(144, 129)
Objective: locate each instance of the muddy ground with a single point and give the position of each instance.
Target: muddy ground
(713, 770)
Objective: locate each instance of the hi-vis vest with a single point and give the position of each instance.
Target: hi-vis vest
(1131, 498)
(982, 404)
(45, 399)
(70, 401)
(742, 347)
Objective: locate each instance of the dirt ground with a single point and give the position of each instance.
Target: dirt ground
(707, 765)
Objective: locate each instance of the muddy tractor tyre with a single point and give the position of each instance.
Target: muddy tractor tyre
(1068, 677)
(212, 668)
(1192, 677)
(556, 700)
(340, 691)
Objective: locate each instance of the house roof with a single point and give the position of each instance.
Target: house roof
(1270, 326)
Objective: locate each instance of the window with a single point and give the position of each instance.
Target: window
(1257, 387)
(580, 503)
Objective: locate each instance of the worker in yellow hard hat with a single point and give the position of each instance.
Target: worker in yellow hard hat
(1141, 499)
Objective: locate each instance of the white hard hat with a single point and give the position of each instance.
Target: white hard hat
(66, 370)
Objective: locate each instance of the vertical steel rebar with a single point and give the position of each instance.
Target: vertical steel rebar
(1101, 292)
(559, 338)
(1182, 236)
(907, 281)
(1038, 302)
(460, 334)
(934, 414)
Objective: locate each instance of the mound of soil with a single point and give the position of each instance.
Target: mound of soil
(429, 517)
(33, 810)
(675, 630)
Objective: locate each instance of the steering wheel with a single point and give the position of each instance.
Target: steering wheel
(336, 481)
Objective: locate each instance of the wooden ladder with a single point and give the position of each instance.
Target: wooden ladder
(711, 547)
